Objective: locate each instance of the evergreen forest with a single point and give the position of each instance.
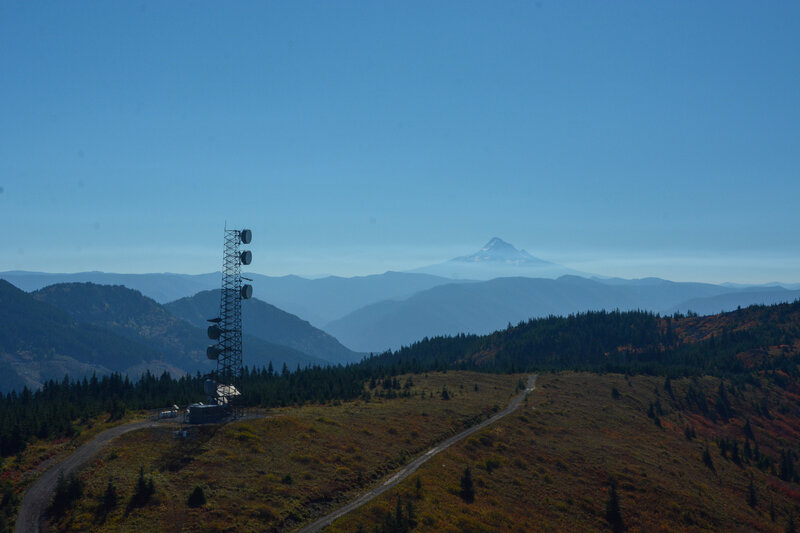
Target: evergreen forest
(759, 339)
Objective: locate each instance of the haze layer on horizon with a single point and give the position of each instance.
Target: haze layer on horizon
(625, 140)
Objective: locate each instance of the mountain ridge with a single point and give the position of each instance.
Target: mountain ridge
(40, 342)
(316, 300)
(485, 306)
(82, 328)
(268, 323)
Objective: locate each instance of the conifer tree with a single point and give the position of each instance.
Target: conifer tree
(752, 499)
(142, 491)
(707, 459)
(748, 430)
(197, 498)
(110, 498)
(467, 487)
(613, 513)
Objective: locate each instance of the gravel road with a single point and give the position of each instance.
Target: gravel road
(31, 517)
(412, 467)
(37, 498)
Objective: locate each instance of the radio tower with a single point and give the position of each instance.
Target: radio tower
(224, 387)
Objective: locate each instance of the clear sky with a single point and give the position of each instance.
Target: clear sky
(630, 139)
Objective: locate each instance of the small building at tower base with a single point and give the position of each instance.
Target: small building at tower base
(200, 413)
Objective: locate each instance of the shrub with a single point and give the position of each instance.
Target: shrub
(492, 464)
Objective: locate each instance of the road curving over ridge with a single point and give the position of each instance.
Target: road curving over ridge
(394, 479)
(32, 519)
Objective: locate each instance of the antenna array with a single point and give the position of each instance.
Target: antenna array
(226, 329)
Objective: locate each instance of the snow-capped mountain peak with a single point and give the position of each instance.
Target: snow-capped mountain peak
(498, 259)
(498, 250)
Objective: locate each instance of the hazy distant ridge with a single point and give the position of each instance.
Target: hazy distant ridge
(83, 328)
(317, 300)
(268, 323)
(486, 306)
(495, 285)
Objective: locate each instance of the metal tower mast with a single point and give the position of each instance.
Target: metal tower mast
(226, 329)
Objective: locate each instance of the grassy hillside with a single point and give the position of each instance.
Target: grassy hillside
(549, 466)
(276, 472)
(18, 472)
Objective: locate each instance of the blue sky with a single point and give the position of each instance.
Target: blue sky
(630, 139)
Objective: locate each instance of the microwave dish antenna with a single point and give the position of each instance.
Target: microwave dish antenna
(223, 386)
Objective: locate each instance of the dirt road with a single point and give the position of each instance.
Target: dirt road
(37, 498)
(412, 467)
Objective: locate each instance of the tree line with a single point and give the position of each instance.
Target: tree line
(634, 342)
